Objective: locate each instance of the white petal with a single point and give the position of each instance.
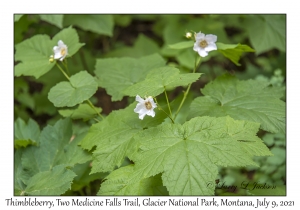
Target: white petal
(210, 47)
(57, 56)
(211, 38)
(152, 103)
(200, 36)
(151, 113)
(60, 43)
(196, 46)
(139, 99)
(142, 115)
(202, 53)
(139, 108)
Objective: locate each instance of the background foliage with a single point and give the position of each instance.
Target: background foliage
(99, 45)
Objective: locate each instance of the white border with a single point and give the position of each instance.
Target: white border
(151, 7)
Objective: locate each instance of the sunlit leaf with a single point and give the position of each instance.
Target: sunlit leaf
(81, 87)
(243, 100)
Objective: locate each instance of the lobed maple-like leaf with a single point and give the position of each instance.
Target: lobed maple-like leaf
(81, 87)
(188, 155)
(43, 170)
(250, 100)
(25, 135)
(113, 137)
(53, 182)
(34, 53)
(116, 74)
(118, 183)
(160, 79)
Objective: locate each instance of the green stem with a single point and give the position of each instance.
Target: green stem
(66, 66)
(168, 102)
(90, 103)
(188, 88)
(64, 73)
(159, 107)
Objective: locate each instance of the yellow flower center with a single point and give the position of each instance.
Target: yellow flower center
(148, 105)
(63, 51)
(203, 44)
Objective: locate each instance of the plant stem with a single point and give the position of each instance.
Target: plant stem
(66, 65)
(188, 88)
(168, 102)
(164, 111)
(90, 103)
(64, 73)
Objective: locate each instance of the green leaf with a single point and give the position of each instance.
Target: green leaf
(81, 87)
(19, 186)
(101, 24)
(182, 45)
(56, 20)
(57, 147)
(116, 74)
(70, 37)
(34, 53)
(25, 135)
(83, 111)
(54, 182)
(242, 100)
(233, 51)
(84, 177)
(188, 155)
(267, 32)
(17, 17)
(113, 137)
(160, 78)
(117, 183)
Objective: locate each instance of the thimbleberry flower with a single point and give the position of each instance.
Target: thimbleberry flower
(60, 51)
(145, 107)
(204, 43)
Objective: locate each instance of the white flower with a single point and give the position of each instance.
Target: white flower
(145, 107)
(205, 43)
(60, 51)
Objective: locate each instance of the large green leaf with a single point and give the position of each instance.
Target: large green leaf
(243, 100)
(25, 135)
(233, 51)
(83, 111)
(267, 32)
(57, 147)
(34, 53)
(81, 87)
(160, 79)
(188, 155)
(43, 170)
(56, 20)
(53, 182)
(101, 24)
(113, 137)
(116, 74)
(117, 184)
